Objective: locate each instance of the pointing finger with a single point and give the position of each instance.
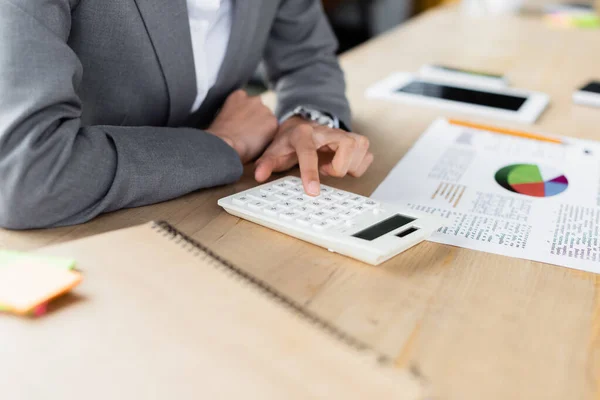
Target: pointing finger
(306, 150)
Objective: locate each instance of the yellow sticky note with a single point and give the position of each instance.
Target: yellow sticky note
(9, 257)
(25, 284)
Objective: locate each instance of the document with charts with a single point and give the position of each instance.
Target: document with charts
(504, 194)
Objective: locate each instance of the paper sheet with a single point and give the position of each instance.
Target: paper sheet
(504, 194)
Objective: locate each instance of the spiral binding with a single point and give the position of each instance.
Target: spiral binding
(192, 245)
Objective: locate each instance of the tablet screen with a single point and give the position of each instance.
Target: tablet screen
(593, 87)
(469, 96)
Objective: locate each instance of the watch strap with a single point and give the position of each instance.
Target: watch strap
(313, 115)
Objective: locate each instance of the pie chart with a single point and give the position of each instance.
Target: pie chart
(532, 180)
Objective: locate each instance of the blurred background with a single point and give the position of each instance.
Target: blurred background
(356, 21)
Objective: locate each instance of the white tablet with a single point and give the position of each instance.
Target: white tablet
(508, 104)
(589, 95)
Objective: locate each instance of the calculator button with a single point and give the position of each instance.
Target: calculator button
(359, 209)
(299, 200)
(334, 209)
(256, 195)
(272, 210)
(286, 205)
(303, 209)
(320, 215)
(270, 199)
(321, 226)
(327, 199)
(283, 185)
(263, 197)
(348, 214)
(269, 190)
(293, 181)
(334, 220)
(306, 220)
(241, 200)
(298, 190)
(257, 205)
(326, 190)
(356, 199)
(345, 204)
(339, 195)
(283, 195)
(289, 215)
(315, 204)
(370, 204)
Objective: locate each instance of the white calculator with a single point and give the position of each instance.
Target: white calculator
(342, 222)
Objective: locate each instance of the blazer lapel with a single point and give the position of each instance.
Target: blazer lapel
(245, 15)
(244, 21)
(167, 23)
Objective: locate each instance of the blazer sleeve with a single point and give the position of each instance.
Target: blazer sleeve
(53, 170)
(301, 61)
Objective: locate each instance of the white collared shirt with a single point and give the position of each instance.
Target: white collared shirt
(210, 27)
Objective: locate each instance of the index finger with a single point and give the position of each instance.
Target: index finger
(303, 142)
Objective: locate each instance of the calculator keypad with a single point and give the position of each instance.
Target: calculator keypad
(287, 201)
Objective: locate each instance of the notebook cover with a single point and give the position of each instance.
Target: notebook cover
(159, 316)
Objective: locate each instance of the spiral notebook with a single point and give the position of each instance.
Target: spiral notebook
(159, 316)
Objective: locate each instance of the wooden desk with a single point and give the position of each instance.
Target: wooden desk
(478, 326)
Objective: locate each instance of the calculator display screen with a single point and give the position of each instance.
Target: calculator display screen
(385, 226)
(469, 96)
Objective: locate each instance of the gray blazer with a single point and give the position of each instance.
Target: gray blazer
(95, 98)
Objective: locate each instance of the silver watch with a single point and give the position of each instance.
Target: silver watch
(313, 115)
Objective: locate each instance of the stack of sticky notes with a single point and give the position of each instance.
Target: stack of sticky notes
(29, 282)
(572, 16)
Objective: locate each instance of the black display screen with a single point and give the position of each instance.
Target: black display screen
(407, 232)
(385, 226)
(469, 96)
(593, 87)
